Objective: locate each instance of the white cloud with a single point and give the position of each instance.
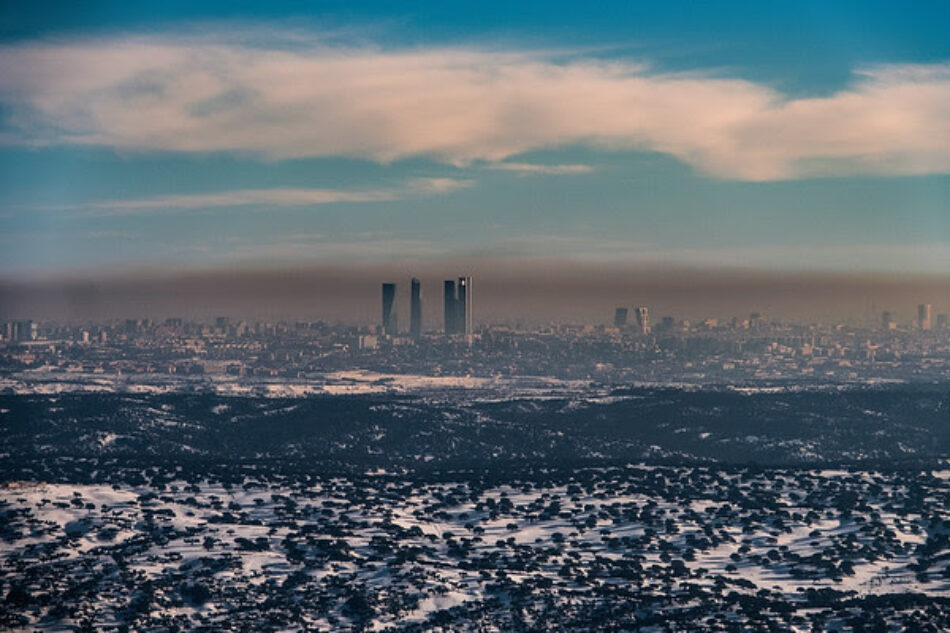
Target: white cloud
(244, 197)
(275, 197)
(438, 185)
(461, 105)
(533, 168)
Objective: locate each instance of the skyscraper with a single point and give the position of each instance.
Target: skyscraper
(643, 320)
(389, 309)
(620, 317)
(923, 316)
(449, 307)
(415, 308)
(25, 331)
(464, 304)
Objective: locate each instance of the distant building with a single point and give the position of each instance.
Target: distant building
(389, 309)
(643, 319)
(465, 305)
(24, 331)
(887, 321)
(458, 306)
(415, 308)
(449, 307)
(620, 317)
(941, 321)
(923, 316)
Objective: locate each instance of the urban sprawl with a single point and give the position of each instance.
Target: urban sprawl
(629, 348)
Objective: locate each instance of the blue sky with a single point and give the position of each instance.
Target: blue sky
(184, 135)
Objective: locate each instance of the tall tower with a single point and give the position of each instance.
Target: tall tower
(923, 316)
(464, 305)
(389, 309)
(620, 317)
(449, 306)
(643, 320)
(415, 309)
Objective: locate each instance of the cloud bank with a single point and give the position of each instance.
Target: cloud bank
(460, 106)
(278, 197)
(533, 168)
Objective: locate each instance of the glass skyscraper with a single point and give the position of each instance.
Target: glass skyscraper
(449, 307)
(415, 308)
(389, 309)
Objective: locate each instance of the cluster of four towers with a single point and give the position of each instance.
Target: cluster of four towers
(457, 305)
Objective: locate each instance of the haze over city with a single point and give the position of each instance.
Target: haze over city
(530, 292)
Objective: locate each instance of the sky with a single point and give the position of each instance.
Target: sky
(178, 138)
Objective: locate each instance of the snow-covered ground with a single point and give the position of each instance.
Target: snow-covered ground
(383, 552)
(354, 382)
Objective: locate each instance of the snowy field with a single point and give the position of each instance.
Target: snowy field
(449, 504)
(628, 548)
(45, 380)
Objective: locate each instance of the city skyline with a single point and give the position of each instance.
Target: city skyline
(529, 293)
(184, 139)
